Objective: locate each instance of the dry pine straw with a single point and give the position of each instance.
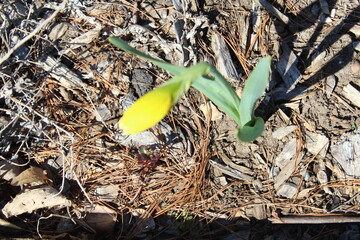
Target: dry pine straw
(177, 184)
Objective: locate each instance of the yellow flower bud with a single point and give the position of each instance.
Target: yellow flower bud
(148, 110)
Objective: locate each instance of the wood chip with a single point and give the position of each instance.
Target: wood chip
(33, 199)
(224, 63)
(287, 153)
(281, 132)
(85, 38)
(58, 31)
(107, 193)
(60, 72)
(286, 172)
(352, 94)
(231, 172)
(287, 190)
(323, 178)
(316, 144)
(347, 153)
(259, 211)
(356, 30)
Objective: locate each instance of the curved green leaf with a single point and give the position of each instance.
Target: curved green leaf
(255, 86)
(250, 132)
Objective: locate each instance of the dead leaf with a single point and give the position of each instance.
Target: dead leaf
(33, 174)
(210, 110)
(31, 200)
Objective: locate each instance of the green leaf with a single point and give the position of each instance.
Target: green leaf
(255, 86)
(187, 77)
(173, 69)
(250, 132)
(219, 91)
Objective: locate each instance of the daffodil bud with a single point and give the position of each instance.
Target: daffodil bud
(151, 108)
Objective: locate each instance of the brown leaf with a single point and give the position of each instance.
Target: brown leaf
(31, 200)
(33, 174)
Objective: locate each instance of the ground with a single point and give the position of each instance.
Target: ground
(68, 171)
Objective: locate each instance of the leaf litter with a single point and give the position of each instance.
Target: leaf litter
(62, 93)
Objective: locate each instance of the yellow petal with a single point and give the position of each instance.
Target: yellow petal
(147, 110)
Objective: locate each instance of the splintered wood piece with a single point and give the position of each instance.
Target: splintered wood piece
(311, 219)
(287, 153)
(224, 62)
(317, 144)
(61, 72)
(281, 132)
(287, 190)
(352, 94)
(231, 172)
(347, 153)
(282, 17)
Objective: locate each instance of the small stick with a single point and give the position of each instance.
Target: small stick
(316, 219)
(33, 33)
(282, 17)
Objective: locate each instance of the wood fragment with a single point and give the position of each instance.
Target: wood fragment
(281, 132)
(316, 144)
(316, 219)
(287, 190)
(60, 72)
(347, 153)
(274, 11)
(352, 94)
(231, 172)
(224, 62)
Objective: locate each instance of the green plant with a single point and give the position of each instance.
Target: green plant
(153, 106)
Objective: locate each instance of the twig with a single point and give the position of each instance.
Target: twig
(282, 17)
(33, 33)
(316, 219)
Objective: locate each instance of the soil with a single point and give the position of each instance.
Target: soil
(68, 172)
